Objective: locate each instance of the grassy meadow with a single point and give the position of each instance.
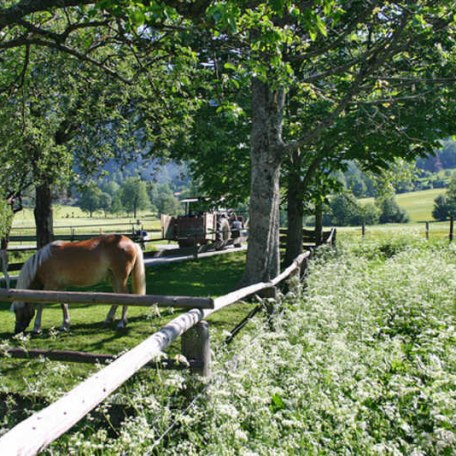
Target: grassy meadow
(360, 361)
(418, 205)
(69, 219)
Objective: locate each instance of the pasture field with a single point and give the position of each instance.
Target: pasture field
(418, 205)
(67, 218)
(362, 361)
(438, 231)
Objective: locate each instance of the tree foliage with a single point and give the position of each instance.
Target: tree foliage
(391, 212)
(309, 70)
(133, 194)
(445, 205)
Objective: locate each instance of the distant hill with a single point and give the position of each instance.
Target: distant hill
(172, 173)
(418, 205)
(432, 172)
(444, 158)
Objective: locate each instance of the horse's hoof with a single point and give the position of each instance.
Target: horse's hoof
(121, 325)
(36, 332)
(64, 328)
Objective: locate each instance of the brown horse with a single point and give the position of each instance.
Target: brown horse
(62, 264)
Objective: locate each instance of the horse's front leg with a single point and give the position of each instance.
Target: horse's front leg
(37, 324)
(66, 318)
(111, 314)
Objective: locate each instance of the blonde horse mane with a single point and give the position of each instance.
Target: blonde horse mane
(29, 270)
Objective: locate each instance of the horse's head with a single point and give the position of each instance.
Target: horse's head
(24, 313)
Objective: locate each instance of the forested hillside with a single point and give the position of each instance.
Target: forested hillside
(433, 171)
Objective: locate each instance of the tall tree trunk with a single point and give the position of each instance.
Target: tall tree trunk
(43, 214)
(295, 212)
(266, 153)
(318, 221)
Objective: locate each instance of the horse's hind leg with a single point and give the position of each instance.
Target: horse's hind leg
(66, 318)
(111, 314)
(120, 285)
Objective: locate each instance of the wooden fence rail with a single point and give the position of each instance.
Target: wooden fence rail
(42, 428)
(308, 237)
(94, 225)
(79, 297)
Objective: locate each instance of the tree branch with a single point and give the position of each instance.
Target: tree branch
(11, 16)
(373, 59)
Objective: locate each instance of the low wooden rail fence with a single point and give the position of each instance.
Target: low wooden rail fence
(308, 237)
(72, 236)
(42, 428)
(80, 297)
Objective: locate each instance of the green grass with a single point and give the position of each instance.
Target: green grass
(361, 361)
(418, 205)
(437, 231)
(68, 219)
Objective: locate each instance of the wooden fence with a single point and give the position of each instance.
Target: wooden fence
(426, 229)
(309, 237)
(42, 428)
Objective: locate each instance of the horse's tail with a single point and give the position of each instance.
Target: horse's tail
(29, 271)
(138, 274)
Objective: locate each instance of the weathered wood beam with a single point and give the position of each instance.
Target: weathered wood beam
(78, 297)
(71, 356)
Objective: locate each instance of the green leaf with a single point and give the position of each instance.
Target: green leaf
(277, 403)
(137, 17)
(230, 66)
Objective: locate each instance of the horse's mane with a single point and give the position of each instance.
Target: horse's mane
(29, 270)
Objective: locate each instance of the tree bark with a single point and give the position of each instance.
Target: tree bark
(266, 153)
(43, 214)
(318, 221)
(295, 213)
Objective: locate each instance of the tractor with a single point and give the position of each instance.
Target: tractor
(202, 226)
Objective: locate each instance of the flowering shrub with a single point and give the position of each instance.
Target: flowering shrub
(361, 361)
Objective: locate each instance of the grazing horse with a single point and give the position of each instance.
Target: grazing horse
(60, 264)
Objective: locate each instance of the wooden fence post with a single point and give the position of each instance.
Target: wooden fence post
(196, 347)
(319, 223)
(270, 295)
(427, 230)
(363, 230)
(451, 228)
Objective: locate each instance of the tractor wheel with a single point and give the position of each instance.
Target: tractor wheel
(223, 234)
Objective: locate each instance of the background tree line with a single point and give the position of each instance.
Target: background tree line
(131, 196)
